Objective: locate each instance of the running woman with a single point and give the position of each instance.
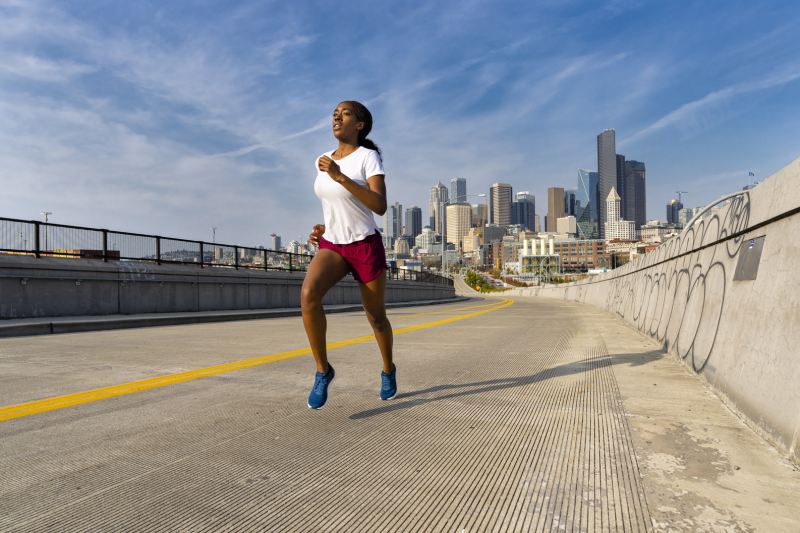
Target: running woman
(350, 185)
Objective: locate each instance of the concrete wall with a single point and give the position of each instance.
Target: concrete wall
(44, 287)
(741, 335)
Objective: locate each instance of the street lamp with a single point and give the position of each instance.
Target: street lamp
(443, 228)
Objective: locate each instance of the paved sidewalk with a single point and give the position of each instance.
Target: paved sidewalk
(537, 416)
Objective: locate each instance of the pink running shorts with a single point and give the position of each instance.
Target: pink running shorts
(366, 258)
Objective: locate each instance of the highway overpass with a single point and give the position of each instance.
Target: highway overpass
(630, 403)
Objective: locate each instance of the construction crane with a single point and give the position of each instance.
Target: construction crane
(680, 199)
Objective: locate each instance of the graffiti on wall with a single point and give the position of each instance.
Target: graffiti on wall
(677, 294)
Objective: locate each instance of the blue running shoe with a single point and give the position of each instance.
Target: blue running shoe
(319, 392)
(389, 384)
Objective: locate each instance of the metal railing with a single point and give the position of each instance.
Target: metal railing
(44, 239)
(40, 239)
(402, 274)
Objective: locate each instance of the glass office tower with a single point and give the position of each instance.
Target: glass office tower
(586, 209)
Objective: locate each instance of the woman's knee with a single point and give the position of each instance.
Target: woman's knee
(378, 320)
(310, 296)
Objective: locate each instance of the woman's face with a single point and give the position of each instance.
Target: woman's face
(345, 123)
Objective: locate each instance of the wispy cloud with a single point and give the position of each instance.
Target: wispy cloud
(693, 111)
(274, 52)
(41, 69)
(318, 126)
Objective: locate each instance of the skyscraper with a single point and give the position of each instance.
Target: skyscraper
(516, 212)
(480, 215)
(587, 214)
(500, 204)
(613, 205)
(555, 207)
(459, 217)
(523, 210)
(458, 190)
(432, 202)
(426, 239)
(634, 199)
(672, 211)
(413, 226)
(606, 171)
(276, 242)
(393, 223)
(439, 196)
(620, 184)
(398, 228)
(686, 214)
(615, 227)
(570, 198)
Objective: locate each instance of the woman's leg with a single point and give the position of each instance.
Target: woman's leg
(325, 270)
(372, 298)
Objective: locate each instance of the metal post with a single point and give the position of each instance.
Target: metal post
(105, 245)
(158, 250)
(202, 255)
(265, 259)
(46, 220)
(36, 250)
(236, 257)
(290, 263)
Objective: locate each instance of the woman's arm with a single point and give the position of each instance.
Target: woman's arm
(374, 197)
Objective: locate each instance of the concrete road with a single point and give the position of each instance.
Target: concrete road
(526, 415)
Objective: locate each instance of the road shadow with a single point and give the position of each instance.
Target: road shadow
(446, 391)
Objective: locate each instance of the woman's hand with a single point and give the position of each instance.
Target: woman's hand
(326, 164)
(316, 233)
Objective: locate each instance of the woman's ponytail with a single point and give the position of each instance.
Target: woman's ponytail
(367, 143)
(363, 115)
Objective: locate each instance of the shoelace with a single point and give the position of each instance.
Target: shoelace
(319, 383)
(385, 381)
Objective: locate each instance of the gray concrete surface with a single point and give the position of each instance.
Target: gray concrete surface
(73, 324)
(50, 287)
(739, 332)
(539, 416)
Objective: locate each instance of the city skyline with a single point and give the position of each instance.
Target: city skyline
(173, 119)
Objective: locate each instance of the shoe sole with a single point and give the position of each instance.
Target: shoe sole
(392, 397)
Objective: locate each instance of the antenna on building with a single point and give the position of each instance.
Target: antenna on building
(680, 198)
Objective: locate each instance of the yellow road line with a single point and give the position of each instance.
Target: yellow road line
(426, 313)
(19, 410)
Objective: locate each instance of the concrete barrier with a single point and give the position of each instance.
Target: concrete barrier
(724, 297)
(55, 287)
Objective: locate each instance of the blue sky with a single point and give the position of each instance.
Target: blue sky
(173, 117)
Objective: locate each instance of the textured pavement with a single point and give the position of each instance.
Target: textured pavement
(536, 416)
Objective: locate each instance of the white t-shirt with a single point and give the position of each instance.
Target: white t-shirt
(347, 219)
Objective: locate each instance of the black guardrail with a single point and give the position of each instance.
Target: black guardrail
(44, 239)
